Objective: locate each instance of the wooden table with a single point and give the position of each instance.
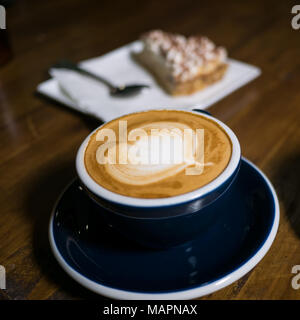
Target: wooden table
(39, 139)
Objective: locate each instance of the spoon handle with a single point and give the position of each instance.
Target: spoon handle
(65, 64)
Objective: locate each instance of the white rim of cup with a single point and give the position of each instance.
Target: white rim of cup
(101, 192)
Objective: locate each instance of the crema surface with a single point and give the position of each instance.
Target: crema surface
(154, 154)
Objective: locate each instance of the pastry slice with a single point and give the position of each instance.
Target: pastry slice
(182, 65)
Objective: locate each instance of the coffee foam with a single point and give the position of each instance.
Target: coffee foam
(156, 170)
(154, 157)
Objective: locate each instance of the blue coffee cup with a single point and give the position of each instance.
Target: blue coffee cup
(161, 222)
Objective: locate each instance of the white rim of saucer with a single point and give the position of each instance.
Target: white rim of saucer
(187, 294)
(140, 202)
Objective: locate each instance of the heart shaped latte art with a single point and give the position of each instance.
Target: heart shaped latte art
(154, 152)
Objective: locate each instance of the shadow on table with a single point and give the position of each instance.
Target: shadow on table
(286, 181)
(40, 201)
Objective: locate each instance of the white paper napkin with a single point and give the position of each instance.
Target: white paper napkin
(92, 97)
(89, 97)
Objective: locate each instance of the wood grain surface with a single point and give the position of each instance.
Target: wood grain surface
(39, 139)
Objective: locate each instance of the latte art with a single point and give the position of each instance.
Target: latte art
(163, 153)
(161, 144)
(155, 151)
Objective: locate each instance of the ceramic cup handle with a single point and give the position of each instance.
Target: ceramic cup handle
(202, 111)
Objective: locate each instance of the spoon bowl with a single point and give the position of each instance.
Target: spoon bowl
(128, 90)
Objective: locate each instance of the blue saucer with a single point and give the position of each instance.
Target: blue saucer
(103, 261)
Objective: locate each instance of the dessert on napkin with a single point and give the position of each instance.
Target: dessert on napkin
(182, 65)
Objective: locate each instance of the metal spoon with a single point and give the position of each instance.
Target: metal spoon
(120, 91)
